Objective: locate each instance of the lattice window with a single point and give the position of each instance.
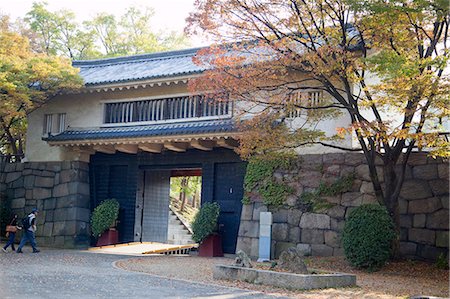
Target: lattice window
(304, 99)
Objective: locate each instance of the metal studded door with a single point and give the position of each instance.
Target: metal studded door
(155, 206)
(228, 193)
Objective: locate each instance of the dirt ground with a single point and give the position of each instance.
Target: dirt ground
(395, 280)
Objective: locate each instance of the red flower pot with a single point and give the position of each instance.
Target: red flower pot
(109, 237)
(211, 246)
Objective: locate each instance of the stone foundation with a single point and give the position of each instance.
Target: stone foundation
(424, 208)
(60, 190)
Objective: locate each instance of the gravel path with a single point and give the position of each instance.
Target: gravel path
(82, 274)
(395, 281)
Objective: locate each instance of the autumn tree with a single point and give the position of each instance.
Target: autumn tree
(337, 47)
(27, 81)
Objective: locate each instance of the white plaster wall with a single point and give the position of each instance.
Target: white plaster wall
(82, 111)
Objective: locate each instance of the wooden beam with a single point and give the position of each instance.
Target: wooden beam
(151, 147)
(176, 146)
(107, 149)
(228, 143)
(83, 149)
(127, 148)
(204, 145)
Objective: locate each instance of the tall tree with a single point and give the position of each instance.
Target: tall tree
(27, 81)
(337, 47)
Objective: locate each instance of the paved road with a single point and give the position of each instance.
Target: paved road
(80, 274)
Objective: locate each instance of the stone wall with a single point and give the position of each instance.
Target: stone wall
(424, 207)
(60, 190)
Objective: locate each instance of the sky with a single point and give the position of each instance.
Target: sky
(169, 14)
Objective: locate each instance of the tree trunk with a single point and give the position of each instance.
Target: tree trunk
(391, 201)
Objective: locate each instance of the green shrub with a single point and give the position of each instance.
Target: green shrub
(205, 221)
(367, 237)
(104, 216)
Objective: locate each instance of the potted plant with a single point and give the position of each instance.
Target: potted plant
(204, 230)
(103, 222)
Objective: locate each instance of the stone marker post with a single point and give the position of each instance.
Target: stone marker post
(265, 236)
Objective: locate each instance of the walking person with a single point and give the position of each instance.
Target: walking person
(29, 229)
(11, 230)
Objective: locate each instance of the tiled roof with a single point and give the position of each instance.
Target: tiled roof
(184, 128)
(138, 67)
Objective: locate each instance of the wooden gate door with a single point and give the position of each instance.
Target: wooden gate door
(228, 192)
(155, 206)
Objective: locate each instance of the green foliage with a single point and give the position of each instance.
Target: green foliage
(104, 216)
(442, 262)
(259, 178)
(205, 222)
(367, 237)
(315, 198)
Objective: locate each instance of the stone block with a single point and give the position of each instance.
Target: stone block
(49, 215)
(423, 236)
(249, 229)
(67, 175)
(336, 199)
(366, 187)
(247, 212)
(70, 228)
(417, 159)
(406, 221)
(337, 225)
(336, 212)
(351, 199)
(321, 250)
(58, 228)
(311, 162)
(403, 206)
(369, 199)
(244, 244)
(17, 183)
(293, 217)
(443, 170)
(49, 203)
(312, 236)
(18, 203)
(291, 200)
(354, 159)
(53, 166)
(48, 229)
(334, 158)
(280, 231)
(60, 215)
(280, 216)
(61, 190)
(304, 249)
(408, 248)
(403, 234)
(12, 176)
(28, 181)
(312, 220)
(254, 250)
(258, 207)
(67, 201)
(44, 182)
(281, 247)
(439, 187)
(333, 170)
(19, 192)
(431, 253)
(41, 193)
(59, 241)
(415, 189)
(442, 239)
(294, 234)
(29, 194)
(424, 206)
(69, 242)
(362, 172)
(445, 202)
(310, 179)
(438, 220)
(338, 251)
(346, 170)
(425, 172)
(419, 220)
(332, 238)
